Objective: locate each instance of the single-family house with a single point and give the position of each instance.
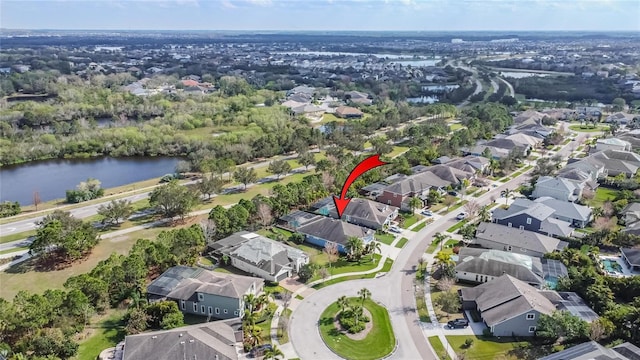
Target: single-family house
(592, 350)
(296, 219)
(535, 130)
(613, 144)
(578, 215)
(348, 112)
(612, 163)
(632, 139)
(631, 257)
(594, 170)
(479, 266)
(481, 149)
(620, 118)
(206, 293)
(513, 239)
(507, 305)
(210, 340)
(532, 216)
(358, 97)
(631, 213)
(528, 117)
(578, 177)
(363, 212)
(404, 187)
(260, 256)
(557, 188)
(525, 140)
(470, 164)
(325, 229)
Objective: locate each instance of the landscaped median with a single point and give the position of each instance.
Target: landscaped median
(378, 342)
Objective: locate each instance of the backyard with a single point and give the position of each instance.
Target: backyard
(602, 195)
(107, 331)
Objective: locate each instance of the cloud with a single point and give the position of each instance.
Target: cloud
(228, 4)
(259, 2)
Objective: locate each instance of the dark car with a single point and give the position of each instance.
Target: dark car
(452, 193)
(458, 324)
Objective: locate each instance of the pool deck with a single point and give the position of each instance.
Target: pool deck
(625, 270)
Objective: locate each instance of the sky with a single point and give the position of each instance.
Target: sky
(381, 15)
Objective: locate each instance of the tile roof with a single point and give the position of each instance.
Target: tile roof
(521, 238)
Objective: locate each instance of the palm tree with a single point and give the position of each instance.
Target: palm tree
(261, 300)
(249, 318)
(414, 203)
(484, 213)
(507, 193)
(464, 184)
(355, 246)
(137, 300)
(443, 260)
(440, 238)
(493, 166)
(343, 303)
(357, 313)
(273, 352)
(250, 302)
(420, 263)
(373, 247)
(364, 294)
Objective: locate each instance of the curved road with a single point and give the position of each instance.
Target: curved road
(394, 290)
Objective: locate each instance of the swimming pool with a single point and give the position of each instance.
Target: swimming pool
(611, 266)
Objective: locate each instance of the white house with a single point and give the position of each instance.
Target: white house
(558, 188)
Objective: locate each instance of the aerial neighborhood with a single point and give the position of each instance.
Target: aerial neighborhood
(502, 223)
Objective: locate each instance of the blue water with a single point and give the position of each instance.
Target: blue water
(611, 266)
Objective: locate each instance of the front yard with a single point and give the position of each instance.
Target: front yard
(490, 348)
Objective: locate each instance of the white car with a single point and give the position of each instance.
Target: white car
(461, 216)
(395, 229)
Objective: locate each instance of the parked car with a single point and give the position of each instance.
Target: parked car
(426, 213)
(458, 323)
(395, 229)
(461, 216)
(452, 193)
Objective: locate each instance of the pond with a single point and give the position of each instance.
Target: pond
(51, 178)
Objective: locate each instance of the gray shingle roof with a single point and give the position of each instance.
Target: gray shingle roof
(497, 263)
(266, 254)
(182, 282)
(556, 227)
(593, 351)
(333, 230)
(506, 297)
(358, 208)
(557, 183)
(566, 208)
(212, 340)
(524, 206)
(632, 254)
(521, 238)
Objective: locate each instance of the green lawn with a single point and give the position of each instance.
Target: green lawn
(432, 247)
(16, 236)
(487, 348)
(397, 150)
(455, 127)
(379, 342)
(14, 250)
(458, 205)
(385, 238)
(437, 346)
(422, 225)
(602, 195)
(400, 244)
(421, 304)
(457, 226)
(410, 219)
(588, 128)
(104, 334)
(344, 266)
(386, 268)
(283, 334)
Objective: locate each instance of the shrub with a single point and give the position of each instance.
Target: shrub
(467, 343)
(347, 320)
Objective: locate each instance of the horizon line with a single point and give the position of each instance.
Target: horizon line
(318, 30)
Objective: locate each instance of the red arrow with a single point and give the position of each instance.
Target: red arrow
(364, 166)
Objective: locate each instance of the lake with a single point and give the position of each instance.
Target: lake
(521, 74)
(51, 178)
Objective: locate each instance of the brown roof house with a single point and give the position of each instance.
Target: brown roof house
(348, 112)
